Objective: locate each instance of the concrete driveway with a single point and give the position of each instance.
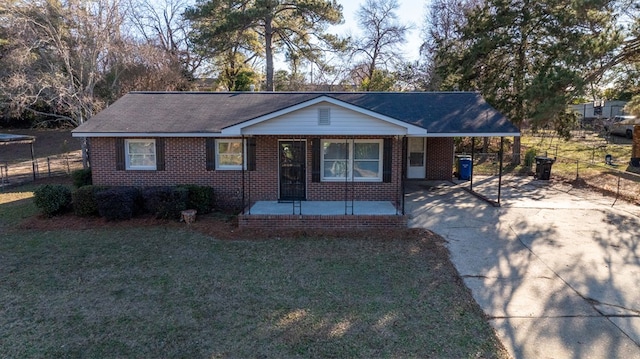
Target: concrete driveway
(556, 269)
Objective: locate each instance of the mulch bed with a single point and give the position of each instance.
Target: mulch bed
(215, 225)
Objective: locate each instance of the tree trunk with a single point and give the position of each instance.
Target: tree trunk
(268, 39)
(516, 151)
(85, 153)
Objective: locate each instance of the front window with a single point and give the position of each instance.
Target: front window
(140, 154)
(352, 160)
(230, 154)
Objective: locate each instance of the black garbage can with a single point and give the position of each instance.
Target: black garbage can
(543, 167)
(463, 167)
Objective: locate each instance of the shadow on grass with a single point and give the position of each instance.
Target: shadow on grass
(166, 291)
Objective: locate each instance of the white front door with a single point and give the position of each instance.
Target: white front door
(416, 158)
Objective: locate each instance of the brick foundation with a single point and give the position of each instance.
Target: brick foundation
(268, 222)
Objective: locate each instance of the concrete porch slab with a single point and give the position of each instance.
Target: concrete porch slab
(331, 208)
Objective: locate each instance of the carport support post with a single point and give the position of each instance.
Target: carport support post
(33, 162)
(473, 146)
(242, 173)
(501, 155)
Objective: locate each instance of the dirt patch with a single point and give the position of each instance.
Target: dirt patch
(579, 183)
(48, 143)
(56, 154)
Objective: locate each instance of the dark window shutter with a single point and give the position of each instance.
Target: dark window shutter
(251, 154)
(120, 161)
(387, 163)
(315, 159)
(211, 153)
(160, 154)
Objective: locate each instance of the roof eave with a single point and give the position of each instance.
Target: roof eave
(474, 134)
(145, 134)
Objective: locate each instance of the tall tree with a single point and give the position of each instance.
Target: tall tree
(299, 26)
(442, 22)
(232, 50)
(528, 58)
(379, 46)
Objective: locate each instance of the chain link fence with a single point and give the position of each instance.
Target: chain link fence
(18, 172)
(612, 177)
(615, 177)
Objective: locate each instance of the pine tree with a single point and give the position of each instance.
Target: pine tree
(528, 58)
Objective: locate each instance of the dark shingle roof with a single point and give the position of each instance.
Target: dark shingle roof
(444, 113)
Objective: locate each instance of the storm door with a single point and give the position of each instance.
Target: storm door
(416, 155)
(293, 172)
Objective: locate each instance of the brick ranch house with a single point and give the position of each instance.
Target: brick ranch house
(309, 153)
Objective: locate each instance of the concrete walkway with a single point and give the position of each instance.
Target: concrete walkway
(556, 269)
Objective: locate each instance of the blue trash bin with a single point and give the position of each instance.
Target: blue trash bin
(464, 172)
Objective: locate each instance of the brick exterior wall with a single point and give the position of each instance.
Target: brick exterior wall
(440, 154)
(635, 146)
(321, 222)
(185, 163)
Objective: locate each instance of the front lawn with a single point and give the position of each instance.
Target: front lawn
(172, 291)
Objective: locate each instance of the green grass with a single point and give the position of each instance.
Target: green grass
(15, 205)
(582, 155)
(176, 293)
(588, 148)
(169, 291)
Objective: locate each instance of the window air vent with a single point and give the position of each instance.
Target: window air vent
(323, 117)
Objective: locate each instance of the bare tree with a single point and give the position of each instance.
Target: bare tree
(161, 24)
(58, 54)
(378, 48)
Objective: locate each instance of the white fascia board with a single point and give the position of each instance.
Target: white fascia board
(488, 134)
(236, 130)
(145, 134)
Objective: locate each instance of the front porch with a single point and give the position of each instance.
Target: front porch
(356, 208)
(323, 215)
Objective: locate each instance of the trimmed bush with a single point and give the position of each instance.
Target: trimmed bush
(52, 199)
(117, 203)
(84, 201)
(529, 157)
(82, 177)
(165, 202)
(200, 198)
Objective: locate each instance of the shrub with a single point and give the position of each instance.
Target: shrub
(84, 200)
(117, 203)
(165, 202)
(82, 177)
(52, 199)
(200, 198)
(530, 157)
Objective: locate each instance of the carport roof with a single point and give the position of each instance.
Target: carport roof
(444, 114)
(7, 138)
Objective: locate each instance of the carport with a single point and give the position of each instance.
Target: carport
(14, 139)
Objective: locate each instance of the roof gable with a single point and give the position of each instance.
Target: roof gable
(300, 119)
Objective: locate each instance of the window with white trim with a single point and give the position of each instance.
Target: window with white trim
(230, 154)
(140, 154)
(352, 160)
